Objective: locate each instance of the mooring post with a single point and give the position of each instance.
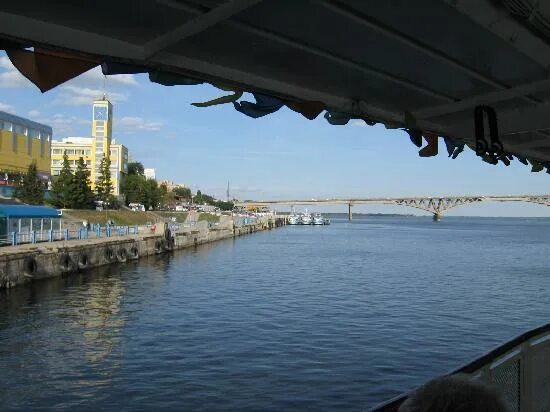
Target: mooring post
(350, 214)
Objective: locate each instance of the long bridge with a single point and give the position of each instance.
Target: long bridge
(435, 205)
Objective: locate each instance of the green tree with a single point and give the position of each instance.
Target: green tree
(183, 193)
(30, 189)
(163, 193)
(62, 186)
(201, 198)
(135, 168)
(82, 197)
(224, 205)
(153, 194)
(133, 188)
(104, 185)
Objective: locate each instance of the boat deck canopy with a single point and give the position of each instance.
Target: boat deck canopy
(422, 65)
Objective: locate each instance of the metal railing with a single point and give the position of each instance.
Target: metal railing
(95, 232)
(519, 370)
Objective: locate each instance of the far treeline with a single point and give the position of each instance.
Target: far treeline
(138, 189)
(72, 190)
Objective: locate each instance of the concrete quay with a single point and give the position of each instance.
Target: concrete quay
(30, 262)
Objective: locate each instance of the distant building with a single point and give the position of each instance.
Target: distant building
(171, 185)
(92, 149)
(21, 142)
(150, 173)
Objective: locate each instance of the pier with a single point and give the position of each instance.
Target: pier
(30, 262)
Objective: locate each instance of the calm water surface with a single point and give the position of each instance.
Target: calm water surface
(320, 318)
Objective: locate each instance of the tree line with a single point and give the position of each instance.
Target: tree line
(73, 189)
(70, 190)
(138, 189)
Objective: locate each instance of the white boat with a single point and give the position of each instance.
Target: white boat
(293, 219)
(318, 219)
(306, 219)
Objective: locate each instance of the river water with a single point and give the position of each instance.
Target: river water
(321, 318)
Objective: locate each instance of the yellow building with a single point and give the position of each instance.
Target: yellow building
(92, 149)
(21, 142)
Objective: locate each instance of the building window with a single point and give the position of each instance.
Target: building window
(34, 133)
(88, 152)
(88, 162)
(99, 134)
(56, 172)
(57, 151)
(57, 162)
(14, 141)
(7, 126)
(19, 129)
(69, 152)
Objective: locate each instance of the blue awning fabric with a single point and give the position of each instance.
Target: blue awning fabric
(27, 211)
(47, 69)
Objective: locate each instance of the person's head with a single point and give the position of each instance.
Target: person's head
(454, 393)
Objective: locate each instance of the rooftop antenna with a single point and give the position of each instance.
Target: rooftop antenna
(104, 87)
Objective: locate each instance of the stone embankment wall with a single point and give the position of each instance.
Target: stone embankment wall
(26, 263)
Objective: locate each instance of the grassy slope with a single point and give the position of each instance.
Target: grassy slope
(120, 217)
(128, 217)
(209, 217)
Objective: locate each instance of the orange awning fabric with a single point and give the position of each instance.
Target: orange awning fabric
(48, 69)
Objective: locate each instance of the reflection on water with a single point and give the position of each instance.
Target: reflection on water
(337, 317)
(69, 326)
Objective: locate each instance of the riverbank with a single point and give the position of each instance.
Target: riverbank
(31, 262)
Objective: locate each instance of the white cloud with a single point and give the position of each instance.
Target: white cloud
(63, 125)
(11, 78)
(358, 123)
(93, 78)
(7, 108)
(77, 95)
(33, 113)
(136, 124)
(5, 63)
(96, 76)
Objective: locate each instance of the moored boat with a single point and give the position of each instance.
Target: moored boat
(306, 219)
(318, 219)
(293, 219)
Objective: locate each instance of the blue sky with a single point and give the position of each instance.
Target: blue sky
(279, 156)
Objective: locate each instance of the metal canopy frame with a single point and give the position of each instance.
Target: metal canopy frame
(208, 44)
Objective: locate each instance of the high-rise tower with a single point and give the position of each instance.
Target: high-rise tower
(102, 130)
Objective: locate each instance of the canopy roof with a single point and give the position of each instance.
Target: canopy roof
(26, 211)
(423, 65)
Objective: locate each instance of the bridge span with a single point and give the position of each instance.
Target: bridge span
(435, 205)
